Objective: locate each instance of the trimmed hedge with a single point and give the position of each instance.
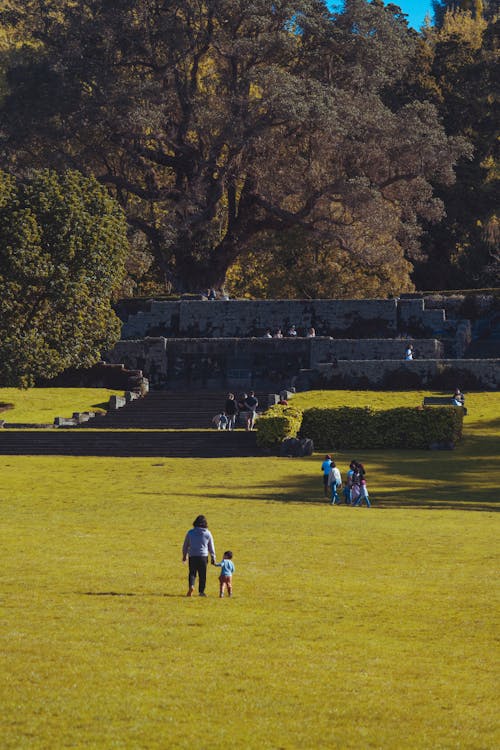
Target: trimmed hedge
(278, 422)
(365, 428)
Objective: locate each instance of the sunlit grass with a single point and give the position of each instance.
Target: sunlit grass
(41, 405)
(349, 628)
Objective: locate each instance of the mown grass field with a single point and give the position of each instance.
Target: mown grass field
(41, 405)
(349, 628)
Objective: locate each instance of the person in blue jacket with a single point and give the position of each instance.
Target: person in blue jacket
(226, 574)
(198, 544)
(325, 468)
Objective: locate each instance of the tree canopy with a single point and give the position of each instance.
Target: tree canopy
(221, 126)
(62, 251)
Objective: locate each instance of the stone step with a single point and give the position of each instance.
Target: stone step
(216, 444)
(166, 410)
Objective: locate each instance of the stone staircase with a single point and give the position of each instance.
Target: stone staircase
(75, 442)
(162, 424)
(166, 410)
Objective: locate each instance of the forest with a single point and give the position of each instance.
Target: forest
(273, 149)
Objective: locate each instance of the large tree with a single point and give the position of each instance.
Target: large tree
(463, 249)
(216, 123)
(63, 245)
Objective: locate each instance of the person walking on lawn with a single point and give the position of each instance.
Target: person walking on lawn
(198, 544)
(325, 468)
(335, 483)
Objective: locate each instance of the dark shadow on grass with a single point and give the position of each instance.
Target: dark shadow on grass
(446, 480)
(128, 593)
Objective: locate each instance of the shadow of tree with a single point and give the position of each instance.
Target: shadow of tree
(463, 479)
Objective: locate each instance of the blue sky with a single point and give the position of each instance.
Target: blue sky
(416, 10)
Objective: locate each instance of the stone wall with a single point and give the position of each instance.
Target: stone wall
(258, 361)
(148, 355)
(246, 318)
(467, 374)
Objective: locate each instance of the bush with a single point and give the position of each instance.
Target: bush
(279, 422)
(365, 428)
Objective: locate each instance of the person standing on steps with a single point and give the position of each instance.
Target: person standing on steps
(230, 409)
(240, 408)
(251, 404)
(198, 545)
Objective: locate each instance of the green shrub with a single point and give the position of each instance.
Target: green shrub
(365, 428)
(279, 422)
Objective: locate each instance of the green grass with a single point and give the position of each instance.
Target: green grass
(41, 405)
(349, 628)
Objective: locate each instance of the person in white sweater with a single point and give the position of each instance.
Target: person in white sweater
(334, 483)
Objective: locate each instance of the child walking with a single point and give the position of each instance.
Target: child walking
(360, 479)
(335, 483)
(226, 574)
(349, 483)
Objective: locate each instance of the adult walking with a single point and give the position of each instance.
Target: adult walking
(325, 468)
(198, 545)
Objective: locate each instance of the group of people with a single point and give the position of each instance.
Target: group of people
(354, 489)
(245, 405)
(198, 545)
(291, 332)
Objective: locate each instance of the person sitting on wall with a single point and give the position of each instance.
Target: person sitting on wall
(278, 334)
(409, 353)
(268, 334)
(292, 331)
(212, 294)
(458, 398)
(311, 333)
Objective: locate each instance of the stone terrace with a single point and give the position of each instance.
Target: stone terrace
(359, 343)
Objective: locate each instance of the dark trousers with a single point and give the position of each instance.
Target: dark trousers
(198, 565)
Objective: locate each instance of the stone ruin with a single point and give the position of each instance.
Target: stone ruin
(216, 345)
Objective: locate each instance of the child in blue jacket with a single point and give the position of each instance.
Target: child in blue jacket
(226, 574)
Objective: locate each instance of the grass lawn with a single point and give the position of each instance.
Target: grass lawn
(349, 628)
(41, 405)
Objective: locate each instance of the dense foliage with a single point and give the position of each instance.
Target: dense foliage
(277, 423)
(62, 250)
(232, 131)
(460, 73)
(365, 428)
